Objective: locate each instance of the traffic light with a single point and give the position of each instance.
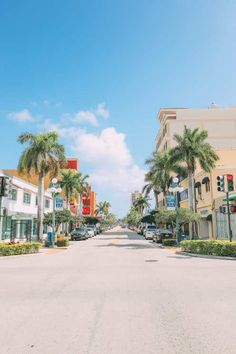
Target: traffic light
(223, 209)
(221, 183)
(4, 186)
(232, 209)
(230, 182)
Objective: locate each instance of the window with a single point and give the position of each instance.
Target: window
(36, 200)
(207, 186)
(12, 194)
(47, 203)
(199, 191)
(183, 195)
(26, 198)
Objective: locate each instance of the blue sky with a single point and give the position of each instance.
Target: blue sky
(61, 62)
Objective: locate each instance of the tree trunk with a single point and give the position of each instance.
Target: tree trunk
(40, 206)
(156, 199)
(191, 200)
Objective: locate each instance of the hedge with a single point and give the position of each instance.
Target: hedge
(209, 247)
(169, 242)
(9, 249)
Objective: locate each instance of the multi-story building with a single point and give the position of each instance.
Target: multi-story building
(88, 203)
(221, 126)
(19, 210)
(134, 196)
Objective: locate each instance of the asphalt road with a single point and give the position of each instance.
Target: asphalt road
(117, 294)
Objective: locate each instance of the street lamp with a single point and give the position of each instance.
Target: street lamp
(55, 189)
(175, 188)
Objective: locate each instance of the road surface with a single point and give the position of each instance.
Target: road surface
(117, 294)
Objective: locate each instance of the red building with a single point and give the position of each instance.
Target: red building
(88, 198)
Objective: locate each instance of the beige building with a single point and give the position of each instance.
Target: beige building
(134, 196)
(221, 126)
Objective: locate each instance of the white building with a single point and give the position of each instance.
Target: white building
(19, 210)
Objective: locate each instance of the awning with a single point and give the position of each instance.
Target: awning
(197, 184)
(205, 180)
(231, 197)
(209, 217)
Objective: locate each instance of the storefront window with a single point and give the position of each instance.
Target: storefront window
(26, 198)
(12, 194)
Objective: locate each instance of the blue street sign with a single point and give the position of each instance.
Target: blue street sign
(58, 203)
(170, 202)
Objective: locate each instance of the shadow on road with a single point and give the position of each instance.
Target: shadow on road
(132, 246)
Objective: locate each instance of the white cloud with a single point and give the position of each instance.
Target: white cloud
(102, 111)
(90, 117)
(83, 117)
(21, 116)
(114, 174)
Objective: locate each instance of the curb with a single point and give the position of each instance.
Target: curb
(206, 256)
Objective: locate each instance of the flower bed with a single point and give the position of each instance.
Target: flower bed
(9, 249)
(210, 247)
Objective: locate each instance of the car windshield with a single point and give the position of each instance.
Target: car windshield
(151, 227)
(80, 229)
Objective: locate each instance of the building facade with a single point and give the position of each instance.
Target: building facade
(134, 196)
(221, 126)
(19, 210)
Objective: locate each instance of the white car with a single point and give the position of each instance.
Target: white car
(90, 231)
(149, 232)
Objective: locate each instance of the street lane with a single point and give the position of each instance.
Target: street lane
(117, 294)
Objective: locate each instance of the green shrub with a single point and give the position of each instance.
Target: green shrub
(209, 247)
(169, 242)
(62, 241)
(9, 249)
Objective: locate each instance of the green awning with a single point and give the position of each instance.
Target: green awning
(231, 197)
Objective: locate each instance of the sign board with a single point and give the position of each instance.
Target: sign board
(58, 203)
(170, 202)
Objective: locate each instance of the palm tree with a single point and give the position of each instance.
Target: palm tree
(141, 203)
(191, 149)
(152, 185)
(43, 155)
(161, 170)
(73, 183)
(103, 208)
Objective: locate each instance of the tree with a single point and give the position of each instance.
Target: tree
(186, 216)
(103, 208)
(161, 170)
(73, 184)
(133, 217)
(141, 203)
(61, 217)
(191, 149)
(43, 155)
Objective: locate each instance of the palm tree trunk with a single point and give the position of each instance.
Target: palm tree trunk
(191, 200)
(40, 206)
(156, 199)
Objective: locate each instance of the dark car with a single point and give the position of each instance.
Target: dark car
(161, 234)
(80, 233)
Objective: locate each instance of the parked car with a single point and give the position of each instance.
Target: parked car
(161, 234)
(80, 233)
(149, 232)
(94, 228)
(91, 232)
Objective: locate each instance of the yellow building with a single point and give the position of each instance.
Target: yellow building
(221, 126)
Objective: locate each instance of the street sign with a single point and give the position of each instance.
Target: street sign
(170, 202)
(58, 203)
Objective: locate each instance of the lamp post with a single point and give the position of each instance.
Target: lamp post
(55, 189)
(176, 189)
